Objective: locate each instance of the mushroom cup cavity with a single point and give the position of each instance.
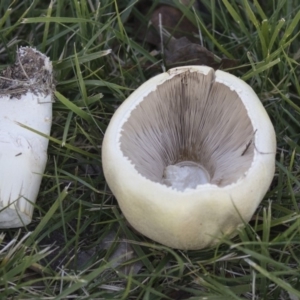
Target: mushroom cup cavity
(189, 156)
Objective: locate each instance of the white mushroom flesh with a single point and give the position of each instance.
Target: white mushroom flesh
(25, 99)
(186, 174)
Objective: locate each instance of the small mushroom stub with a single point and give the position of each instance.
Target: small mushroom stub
(26, 90)
(189, 156)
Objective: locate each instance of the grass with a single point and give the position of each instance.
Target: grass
(70, 250)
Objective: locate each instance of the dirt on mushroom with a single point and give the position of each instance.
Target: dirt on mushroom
(26, 74)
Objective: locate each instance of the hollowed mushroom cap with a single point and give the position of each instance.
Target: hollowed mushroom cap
(189, 156)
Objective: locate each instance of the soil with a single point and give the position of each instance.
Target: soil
(32, 71)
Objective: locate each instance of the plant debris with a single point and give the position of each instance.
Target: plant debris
(28, 73)
(171, 32)
(181, 52)
(172, 20)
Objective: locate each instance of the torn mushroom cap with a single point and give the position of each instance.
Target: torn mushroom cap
(189, 156)
(25, 98)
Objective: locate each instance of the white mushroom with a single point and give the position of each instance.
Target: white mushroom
(189, 156)
(25, 99)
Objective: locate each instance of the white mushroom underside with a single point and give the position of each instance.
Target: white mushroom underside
(191, 118)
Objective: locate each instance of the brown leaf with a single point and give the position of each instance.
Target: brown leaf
(175, 28)
(179, 52)
(172, 20)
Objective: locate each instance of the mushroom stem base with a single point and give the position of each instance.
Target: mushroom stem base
(185, 174)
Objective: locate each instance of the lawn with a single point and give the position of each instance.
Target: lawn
(79, 245)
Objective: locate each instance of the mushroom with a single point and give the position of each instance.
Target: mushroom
(26, 90)
(189, 156)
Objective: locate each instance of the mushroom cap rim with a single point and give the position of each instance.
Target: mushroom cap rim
(266, 147)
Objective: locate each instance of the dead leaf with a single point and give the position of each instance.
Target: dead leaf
(179, 52)
(172, 20)
(178, 36)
